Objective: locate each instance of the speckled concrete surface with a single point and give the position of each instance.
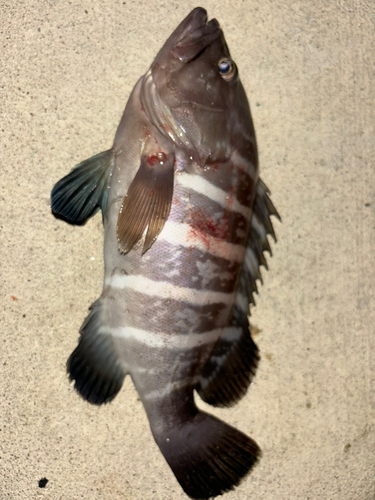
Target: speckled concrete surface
(66, 71)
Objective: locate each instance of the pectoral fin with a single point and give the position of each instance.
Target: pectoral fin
(80, 194)
(147, 202)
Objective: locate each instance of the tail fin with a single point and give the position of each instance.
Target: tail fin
(208, 456)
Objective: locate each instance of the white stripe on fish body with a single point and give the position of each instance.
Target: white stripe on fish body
(171, 387)
(242, 303)
(136, 369)
(260, 229)
(163, 341)
(185, 235)
(200, 185)
(165, 290)
(248, 167)
(231, 334)
(251, 261)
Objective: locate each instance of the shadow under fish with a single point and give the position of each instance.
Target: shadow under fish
(186, 220)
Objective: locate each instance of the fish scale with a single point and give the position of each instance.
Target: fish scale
(186, 220)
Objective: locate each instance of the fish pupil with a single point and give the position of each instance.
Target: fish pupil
(224, 67)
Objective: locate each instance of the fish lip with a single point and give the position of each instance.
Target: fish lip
(194, 34)
(196, 19)
(196, 40)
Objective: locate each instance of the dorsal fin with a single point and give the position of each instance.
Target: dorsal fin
(229, 372)
(257, 243)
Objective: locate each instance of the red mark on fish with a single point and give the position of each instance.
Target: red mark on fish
(157, 159)
(204, 227)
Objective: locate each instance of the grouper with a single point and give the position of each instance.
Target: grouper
(186, 220)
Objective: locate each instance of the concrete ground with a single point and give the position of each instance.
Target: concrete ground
(66, 71)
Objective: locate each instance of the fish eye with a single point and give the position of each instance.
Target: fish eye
(227, 69)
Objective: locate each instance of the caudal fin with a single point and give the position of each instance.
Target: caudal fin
(208, 456)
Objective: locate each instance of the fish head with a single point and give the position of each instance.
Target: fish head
(195, 92)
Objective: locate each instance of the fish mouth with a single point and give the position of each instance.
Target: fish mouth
(196, 19)
(196, 35)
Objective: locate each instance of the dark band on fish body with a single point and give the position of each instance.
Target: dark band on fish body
(234, 179)
(173, 316)
(232, 366)
(207, 216)
(174, 271)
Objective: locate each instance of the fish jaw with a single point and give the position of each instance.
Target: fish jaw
(196, 19)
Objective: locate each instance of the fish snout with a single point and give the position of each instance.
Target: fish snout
(197, 35)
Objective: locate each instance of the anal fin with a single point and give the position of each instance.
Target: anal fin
(79, 195)
(94, 365)
(147, 203)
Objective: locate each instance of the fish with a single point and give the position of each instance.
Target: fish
(186, 224)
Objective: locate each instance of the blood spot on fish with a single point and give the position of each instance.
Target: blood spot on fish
(176, 201)
(194, 234)
(159, 158)
(202, 226)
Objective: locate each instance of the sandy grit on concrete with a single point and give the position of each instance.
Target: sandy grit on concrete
(66, 71)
